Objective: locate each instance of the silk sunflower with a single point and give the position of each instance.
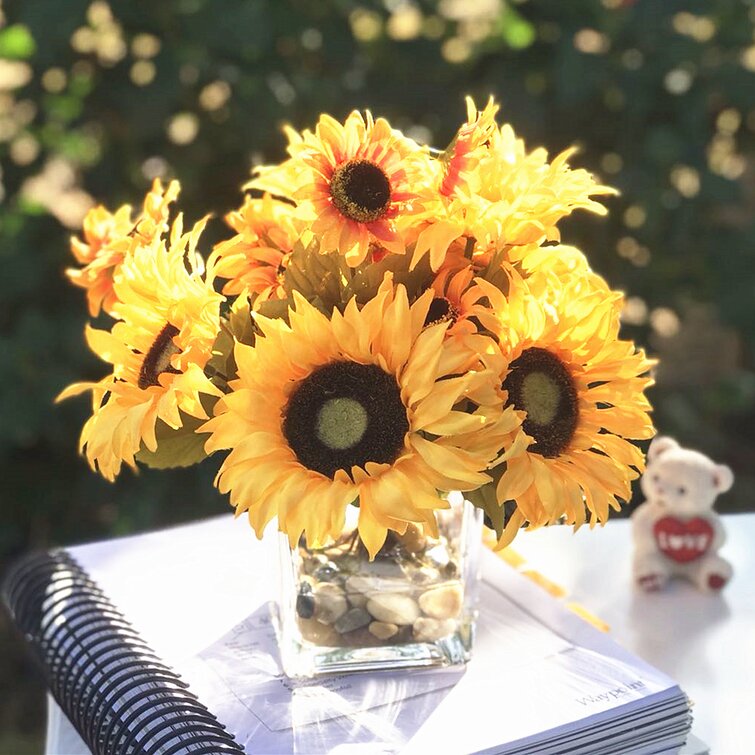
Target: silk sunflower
(469, 146)
(254, 260)
(107, 239)
(491, 189)
(354, 180)
(357, 407)
(547, 267)
(458, 300)
(168, 316)
(578, 391)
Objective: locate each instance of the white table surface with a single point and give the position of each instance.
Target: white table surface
(704, 641)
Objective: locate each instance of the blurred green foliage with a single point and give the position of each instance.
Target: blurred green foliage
(97, 98)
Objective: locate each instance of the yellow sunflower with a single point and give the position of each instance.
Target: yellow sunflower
(358, 407)
(352, 181)
(546, 267)
(498, 193)
(458, 300)
(109, 237)
(254, 260)
(168, 318)
(578, 391)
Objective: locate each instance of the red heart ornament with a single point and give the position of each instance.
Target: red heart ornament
(683, 540)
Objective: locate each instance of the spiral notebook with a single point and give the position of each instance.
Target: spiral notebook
(163, 643)
(117, 693)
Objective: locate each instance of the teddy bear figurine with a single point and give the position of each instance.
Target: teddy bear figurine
(676, 532)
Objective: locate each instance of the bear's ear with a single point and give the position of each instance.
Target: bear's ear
(723, 478)
(660, 445)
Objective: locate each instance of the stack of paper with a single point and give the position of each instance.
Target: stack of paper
(541, 680)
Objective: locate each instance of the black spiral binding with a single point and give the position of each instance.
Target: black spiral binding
(120, 697)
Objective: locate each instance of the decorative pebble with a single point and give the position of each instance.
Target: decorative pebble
(357, 599)
(330, 603)
(451, 569)
(357, 584)
(383, 630)
(326, 573)
(409, 593)
(359, 638)
(305, 604)
(429, 630)
(371, 585)
(354, 618)
(442, 602)
(393, 608)
(318, 634)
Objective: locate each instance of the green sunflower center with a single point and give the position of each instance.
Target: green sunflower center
(441, 310)
(540, 385)
(360, 190)
(158, 357)
(341, 423)
(541, 396)
(345, 414)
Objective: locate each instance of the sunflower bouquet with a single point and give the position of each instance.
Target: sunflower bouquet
(388, 323)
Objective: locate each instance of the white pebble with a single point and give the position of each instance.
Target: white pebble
(393, 608)
(442, 602)
(383, 630)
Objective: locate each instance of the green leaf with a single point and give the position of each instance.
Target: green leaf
(367, 278)
(17, 43)
(176, 448)
(317, 277)
(240, 321)
(278, 308)
(484, 498)
(236, 326)
(494, 273)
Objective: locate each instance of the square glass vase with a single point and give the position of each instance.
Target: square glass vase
(414, 605)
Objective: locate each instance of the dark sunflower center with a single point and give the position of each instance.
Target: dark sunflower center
(441, 310)
(540, 385)
(360, 191)
(158, 357)
(343, 415)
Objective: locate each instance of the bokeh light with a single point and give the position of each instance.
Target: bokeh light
(100, 97)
